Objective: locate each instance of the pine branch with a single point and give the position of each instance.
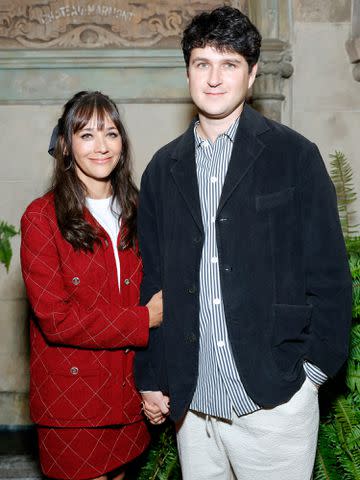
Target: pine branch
(342, 176)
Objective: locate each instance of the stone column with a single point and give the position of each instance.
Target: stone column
(272, 19)
(353, 44)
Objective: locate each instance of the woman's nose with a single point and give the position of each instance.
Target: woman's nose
(101, 144)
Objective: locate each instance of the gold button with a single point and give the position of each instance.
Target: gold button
(74, 370)
(76, 280)
(127, 281)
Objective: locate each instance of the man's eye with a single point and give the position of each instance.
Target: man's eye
(230, 65)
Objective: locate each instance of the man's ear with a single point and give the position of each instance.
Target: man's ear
(252, 75)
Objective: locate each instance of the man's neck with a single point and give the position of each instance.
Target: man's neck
(211, 128)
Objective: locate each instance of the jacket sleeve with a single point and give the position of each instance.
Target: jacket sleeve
(327, 276)
(150, 363)
(64, 320)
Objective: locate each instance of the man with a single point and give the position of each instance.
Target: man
(238, 226)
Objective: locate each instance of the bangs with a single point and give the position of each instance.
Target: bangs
(99, 109)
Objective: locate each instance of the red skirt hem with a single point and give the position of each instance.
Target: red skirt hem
(87, 453)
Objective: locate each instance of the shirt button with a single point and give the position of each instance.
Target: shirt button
(213, 179)
(221, 343)
(192, 289)
(106, 243)
(212, 219)
(76, 280)
(74, 370)
(191, 338)
(216, 301)
(214, 259)
(127, 281)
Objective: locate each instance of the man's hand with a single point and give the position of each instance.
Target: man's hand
(156, 406)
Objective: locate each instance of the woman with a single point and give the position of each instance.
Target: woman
(82, 273)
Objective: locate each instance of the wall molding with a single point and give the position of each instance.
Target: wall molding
(132, 75)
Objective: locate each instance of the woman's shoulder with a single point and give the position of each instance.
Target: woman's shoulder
(41, 207)
(41, 204)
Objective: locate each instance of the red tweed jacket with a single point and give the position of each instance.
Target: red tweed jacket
(82, 329)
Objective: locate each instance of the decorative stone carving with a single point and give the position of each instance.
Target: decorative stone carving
(274, 67)
(96, 23)
(272, 19)
(353, 44)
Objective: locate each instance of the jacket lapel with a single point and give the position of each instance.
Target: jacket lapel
(247, 147)
(184, 174)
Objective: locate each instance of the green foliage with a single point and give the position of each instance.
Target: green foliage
(162, 461)
(338, 454)
(341, 174)
(354, 262)
(6, 232)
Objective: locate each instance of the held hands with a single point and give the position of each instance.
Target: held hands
(156, 406)
(155, 307)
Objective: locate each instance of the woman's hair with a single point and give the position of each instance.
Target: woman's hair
(70, 192)
(226, 29)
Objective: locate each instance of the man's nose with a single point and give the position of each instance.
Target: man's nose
(214, 77)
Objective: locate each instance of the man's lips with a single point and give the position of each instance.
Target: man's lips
(214, 94)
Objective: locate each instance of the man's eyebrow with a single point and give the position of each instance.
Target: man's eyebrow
(229, 59)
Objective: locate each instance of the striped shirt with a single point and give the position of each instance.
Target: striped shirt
(219, 389)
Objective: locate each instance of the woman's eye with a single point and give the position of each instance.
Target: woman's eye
(86, 136)
(113, 134)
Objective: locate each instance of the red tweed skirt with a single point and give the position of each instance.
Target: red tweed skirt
(85, 453)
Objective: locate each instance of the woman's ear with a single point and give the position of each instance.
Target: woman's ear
(64, 150)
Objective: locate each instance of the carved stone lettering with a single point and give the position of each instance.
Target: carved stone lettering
(97, 23)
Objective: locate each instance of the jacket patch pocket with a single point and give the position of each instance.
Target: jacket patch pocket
(289, 336)
(81, 290)
(71, 394)
(274, 200)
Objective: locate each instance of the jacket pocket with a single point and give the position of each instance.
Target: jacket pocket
(274, 200)
(68, 393)
(81, 290)
(290, 332)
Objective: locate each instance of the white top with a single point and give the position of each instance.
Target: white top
(108, 217)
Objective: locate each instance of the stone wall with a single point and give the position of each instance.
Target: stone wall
(133, 56)
(326, 96)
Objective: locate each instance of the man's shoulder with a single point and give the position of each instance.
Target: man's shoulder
(283, 133)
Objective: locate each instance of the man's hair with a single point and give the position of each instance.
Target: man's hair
(226, 29)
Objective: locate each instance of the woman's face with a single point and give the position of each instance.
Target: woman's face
(96, 153)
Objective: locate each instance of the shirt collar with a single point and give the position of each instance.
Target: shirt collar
(230, 133)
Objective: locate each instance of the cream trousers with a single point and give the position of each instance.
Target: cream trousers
(270, 444)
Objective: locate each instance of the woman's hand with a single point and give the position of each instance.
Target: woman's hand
(155, 307)
(156, 406)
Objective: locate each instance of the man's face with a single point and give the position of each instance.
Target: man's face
(218, 82)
